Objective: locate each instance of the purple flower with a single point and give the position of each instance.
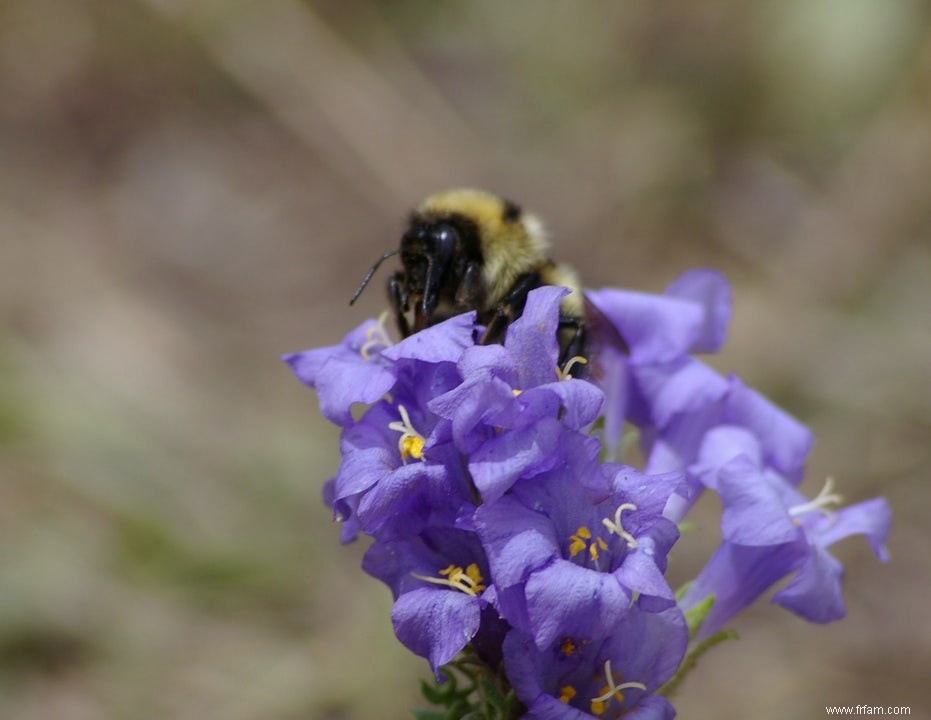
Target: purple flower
(515, 407)
(573, 547)
(440, 581)
(346, 373)
(770, 530)
(365, 365)
(400, 469)
(611, 673)
(398, 464)
(656, 334)
(477, 471)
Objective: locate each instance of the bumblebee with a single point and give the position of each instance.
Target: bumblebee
(471, 250)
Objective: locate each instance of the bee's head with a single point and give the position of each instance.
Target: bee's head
(429, 250)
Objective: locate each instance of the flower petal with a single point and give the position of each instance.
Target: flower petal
(736, 575)
(443, 342)
(497, 464)
(656, 328)
(753, 510)
(872, 518)
(815, 591)
(532, 338)
(564, 599)
(710, 290)
(436, 623)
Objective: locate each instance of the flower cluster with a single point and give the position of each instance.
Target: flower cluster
(480, 473)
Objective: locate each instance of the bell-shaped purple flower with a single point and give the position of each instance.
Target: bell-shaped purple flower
(653, 335)
(440, 582)
(604, 673)
(515, 406)
(575, 545)
(347, 373)
(770, 530)
(398, 462)
(478, 471)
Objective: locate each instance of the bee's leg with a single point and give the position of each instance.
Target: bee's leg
(471, 288)
(397, 296)
(575, 347)
(510, 307)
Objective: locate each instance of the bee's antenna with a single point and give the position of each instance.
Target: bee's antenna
(368, 275)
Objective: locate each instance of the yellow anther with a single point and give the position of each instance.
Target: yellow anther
(515, 392)
(595, 547)
(469, 581)
(579, 541)
(566, 693)
(411, 447)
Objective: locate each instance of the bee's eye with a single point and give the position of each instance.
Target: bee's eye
(444, 237)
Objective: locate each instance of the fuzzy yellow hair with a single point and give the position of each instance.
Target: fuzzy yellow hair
(510, 247)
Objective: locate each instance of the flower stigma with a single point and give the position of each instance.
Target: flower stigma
(411, 442)
(564, 373)
(376, 338)
(824, 503)
(611, 691)
(615, 526)
(469, 581)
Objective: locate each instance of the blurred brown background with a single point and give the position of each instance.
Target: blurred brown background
(189, 188)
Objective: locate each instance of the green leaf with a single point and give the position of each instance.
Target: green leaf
(471, 691)
(430, 692)
(421, 714)
(695, 616)
(491, 694)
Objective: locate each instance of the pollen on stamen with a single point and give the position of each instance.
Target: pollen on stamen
(411, 442)
(469, 581)
(579, 541)
(569, 646)
(566, 693)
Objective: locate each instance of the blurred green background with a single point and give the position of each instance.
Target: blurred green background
(189, 188)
